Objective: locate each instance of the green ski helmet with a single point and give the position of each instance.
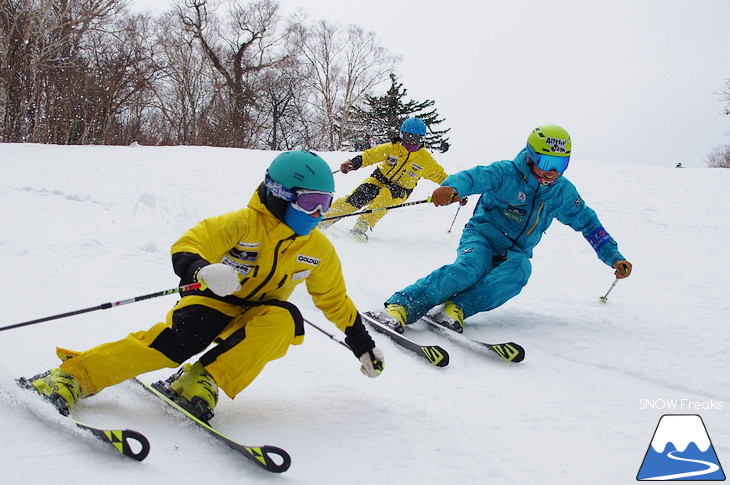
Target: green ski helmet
(549, 146)
(301, 169)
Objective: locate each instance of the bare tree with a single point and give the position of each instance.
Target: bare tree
(120, 74)
(345, 65)
(239, 48)
(284, 92)
(719, 157)
(368, 64)
(185, 92)
(40, 46)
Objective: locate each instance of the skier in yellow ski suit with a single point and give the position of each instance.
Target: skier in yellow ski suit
(250, 261)
(401, 164)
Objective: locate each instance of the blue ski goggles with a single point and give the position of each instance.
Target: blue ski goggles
(411, 138)
(548, 162)
(307, 201)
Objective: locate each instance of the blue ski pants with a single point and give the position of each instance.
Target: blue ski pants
(478, 281)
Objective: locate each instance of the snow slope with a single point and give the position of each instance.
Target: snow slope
(81, 226)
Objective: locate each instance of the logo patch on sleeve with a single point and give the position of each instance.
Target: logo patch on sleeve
(598, 238)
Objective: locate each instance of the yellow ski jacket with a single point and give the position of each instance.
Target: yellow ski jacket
(270, 259)
(401, 167)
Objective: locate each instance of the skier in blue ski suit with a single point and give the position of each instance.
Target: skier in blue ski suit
(518, 202)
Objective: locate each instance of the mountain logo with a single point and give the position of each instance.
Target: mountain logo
(681, 450)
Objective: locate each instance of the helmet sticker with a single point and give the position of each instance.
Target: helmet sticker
(557, 145)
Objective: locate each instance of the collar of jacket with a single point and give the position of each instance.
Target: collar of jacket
(523, 169)
(274, 227)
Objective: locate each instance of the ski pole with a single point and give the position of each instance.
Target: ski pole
(462, 202)
(104, 306)
(331, 336)
(455, 216)
(405, 204)
(604, 298)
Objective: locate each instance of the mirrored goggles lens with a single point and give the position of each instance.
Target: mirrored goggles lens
(411, 138)
(551, 162)
(311, 201)
(548, 162)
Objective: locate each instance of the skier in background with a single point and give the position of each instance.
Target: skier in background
(402, 162)
(519, 200)
(249, 262)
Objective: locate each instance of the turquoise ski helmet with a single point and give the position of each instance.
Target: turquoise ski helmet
(301, 169)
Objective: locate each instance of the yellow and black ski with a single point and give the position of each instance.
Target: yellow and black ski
(270, 458)
(433, 353)
(508, 351)
(130, 443)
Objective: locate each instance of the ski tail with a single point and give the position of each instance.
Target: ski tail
(271, 458)
(127, 442)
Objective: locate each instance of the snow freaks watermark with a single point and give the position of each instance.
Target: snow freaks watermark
(680, 449)
(680, 405)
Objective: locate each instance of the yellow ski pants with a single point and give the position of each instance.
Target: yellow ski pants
(252, 337)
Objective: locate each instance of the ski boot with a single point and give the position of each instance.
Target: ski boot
(394, 316)
(450, 316)
(196, 390)
(360, 230)
(61, 389)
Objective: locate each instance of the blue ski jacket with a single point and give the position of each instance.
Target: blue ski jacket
(514, 210)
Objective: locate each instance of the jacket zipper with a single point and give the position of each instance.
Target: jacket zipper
(273, 268)
(399, 168)
(537, 218)
(532, 209)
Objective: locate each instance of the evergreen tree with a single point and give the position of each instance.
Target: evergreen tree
(380, 118)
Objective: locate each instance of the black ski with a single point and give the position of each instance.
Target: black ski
(120, 440)
(268, 457)
(508, 351)
(433, 353)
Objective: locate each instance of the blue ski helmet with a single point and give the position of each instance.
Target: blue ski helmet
(414, 126)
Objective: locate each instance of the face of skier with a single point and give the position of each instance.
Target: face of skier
(545, 177)
(411, 141)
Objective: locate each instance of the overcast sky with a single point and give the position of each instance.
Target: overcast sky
(633, 81)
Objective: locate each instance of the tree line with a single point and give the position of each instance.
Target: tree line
(205, 72)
